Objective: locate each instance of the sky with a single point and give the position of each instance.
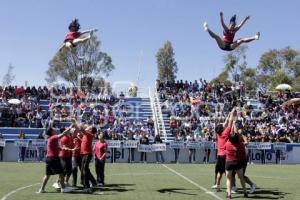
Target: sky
(132, 31)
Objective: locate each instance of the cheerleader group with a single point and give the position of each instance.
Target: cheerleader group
(231, 155)
(71, 150)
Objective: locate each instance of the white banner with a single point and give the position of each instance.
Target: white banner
(144, 148)
(38, 143)
(159, 147)
(208, 145)
(113, 143)
(259, 145)
(22, 143)
(130, 144)
(264, 145)
(177, 145)
(193, 145)
(279, 146)
(2, 143)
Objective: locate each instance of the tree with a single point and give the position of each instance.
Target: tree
(291, 59)
(222, 78)
(9, 76)
(237, 68)
(279, 66)
(235, 63)
(250, 79)
(81, 63)
(166, 64)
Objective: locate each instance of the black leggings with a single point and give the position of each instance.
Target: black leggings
(76, 163)
(1, 153)
(99, 168)
(86, 173)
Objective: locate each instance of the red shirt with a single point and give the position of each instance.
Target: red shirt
(72, 35)
(76, 144)
(221, 141)
(100, 149)
(231, 151)
(228, 36)
(66, 141)
(86, 144)
(241, 150)
(173, 124)
(52, 146)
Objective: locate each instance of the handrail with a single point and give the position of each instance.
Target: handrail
(159, 112)
(153, 109)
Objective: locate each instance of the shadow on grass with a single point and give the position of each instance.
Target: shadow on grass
(112, 188)
(174, 190)
(267, 193)
(101, 190)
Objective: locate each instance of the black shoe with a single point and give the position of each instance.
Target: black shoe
(228, 196)
(87, 190)
(100, 184)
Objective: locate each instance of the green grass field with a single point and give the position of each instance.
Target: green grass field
(151, 181)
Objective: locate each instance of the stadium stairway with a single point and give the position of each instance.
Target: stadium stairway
(138, 108)
(162, 120)
(44, 104)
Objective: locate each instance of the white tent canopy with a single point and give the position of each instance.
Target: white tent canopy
(14, 101)
(283, 87)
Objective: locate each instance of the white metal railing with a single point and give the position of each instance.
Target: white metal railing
(153, 109)
(159, 115)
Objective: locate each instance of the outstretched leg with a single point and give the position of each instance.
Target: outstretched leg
(238, 42)
(69, 45)
(44, 183)
(81, 40)
(213, 35)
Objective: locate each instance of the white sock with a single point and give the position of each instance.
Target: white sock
(257, 36)
(205, 25)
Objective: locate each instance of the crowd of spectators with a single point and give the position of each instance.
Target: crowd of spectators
(96, 106)
(195, 107)
(27, 112)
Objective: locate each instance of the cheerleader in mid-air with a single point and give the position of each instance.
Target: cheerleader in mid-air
(227, 43)
(74, 37)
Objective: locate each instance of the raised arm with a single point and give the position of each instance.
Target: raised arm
(231, 117)
(64, 133)
(227, 119)
(245, 140)
(233, 128)
(242, 23)
(223, 23)
(76, 126)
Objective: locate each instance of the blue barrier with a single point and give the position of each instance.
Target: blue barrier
(12, 133)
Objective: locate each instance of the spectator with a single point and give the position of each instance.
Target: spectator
(22, 149)
(192, 152)
(145, 141)
(1, 148)
(158, 154)
(130, 150)
(178, 138)
(113, 157)
(207, 150)
(40, 150)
